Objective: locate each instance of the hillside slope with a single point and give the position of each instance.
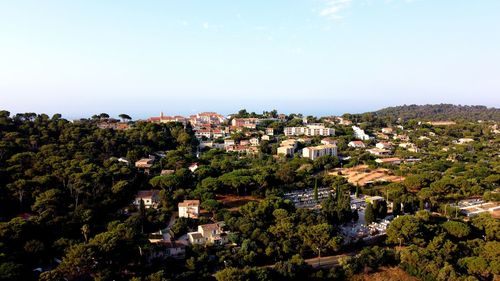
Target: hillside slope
(440, 112)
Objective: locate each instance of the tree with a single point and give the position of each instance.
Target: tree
(396, 208)
(316, 190)
(381, 209)
(230, 274)
(125, 117)
(405, 229)
(456, 229)
(211, 205)
(317, 237)
(369, 214)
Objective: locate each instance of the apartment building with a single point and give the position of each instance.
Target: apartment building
(309, 130)
(315, 152)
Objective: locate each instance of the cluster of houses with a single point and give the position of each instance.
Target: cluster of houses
(384, 148)
(213, 131)
(211, 128)
(163, 245)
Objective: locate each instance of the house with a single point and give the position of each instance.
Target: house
(382, 136)
(211, 233)
(250, 123)
(167, 119)
(304, 140)
(196, 238)
(174, 249)
(193, 167)
(144, 163)
(378, 151)
(318, 151)
(360, 133)
(203, 132)
(343, 121)
(189, 209)
(401, 137)
(167, 172)
(218, 133)
(287, 147)
(151, 198)
(441, 123)
(266, 138)
(270, 131)
(464, 140)
(387, 130)
(254, 141)
(243, 149)
(328, 141)
(287, 150)
(204, 144)
(163, 249)
(309, 130)
(289, 142)
(244, 142)
(391, 161)
(229, 142)
(373, 199)
(207, 118)
(356, 144)
(384, 145)
(409, 146)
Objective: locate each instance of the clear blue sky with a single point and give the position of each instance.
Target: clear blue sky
(312, 56)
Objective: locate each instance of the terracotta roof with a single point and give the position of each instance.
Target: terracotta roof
(195, 235)
(189, 203)
(210, 226)
(147, 193)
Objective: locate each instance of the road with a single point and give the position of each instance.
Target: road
(329, 261)
(325, 262)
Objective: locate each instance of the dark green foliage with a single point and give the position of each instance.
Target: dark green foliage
(438, 112)
(369, 214)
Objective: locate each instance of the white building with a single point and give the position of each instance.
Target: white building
(356, 144)
(254, 141)
(286, 150)
(151, 198)
(309, 130)
(189, 209)
(328, 141)
(287, 147)
(360, 133)
(209, 234)
(391, 161)
(387, 130)
(229, 142)
(384, 145)
(318, 151)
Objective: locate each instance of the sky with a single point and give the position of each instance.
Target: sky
(318, 57)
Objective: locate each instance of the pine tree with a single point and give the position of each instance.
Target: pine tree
(369, 214)
(316, 190)
(396, 208)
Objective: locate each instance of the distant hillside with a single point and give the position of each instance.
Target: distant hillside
(441, 112)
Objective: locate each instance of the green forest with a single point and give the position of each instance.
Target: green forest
(66, 210)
